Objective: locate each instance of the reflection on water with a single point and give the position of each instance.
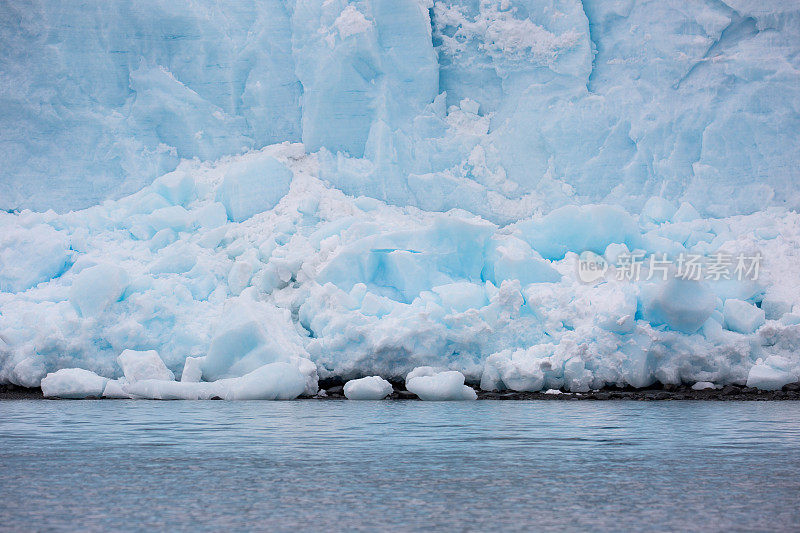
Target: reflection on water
(314, 465)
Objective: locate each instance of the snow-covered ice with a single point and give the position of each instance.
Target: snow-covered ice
(469, 178)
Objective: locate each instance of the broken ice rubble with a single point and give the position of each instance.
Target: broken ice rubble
(322, 285)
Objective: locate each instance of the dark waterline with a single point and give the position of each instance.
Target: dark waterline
(336, 465)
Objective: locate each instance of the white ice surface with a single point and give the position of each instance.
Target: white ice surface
(433, 385)
(368, 388)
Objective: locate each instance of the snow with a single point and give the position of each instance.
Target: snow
(351, 21)
(471, 176)
(432, 385)
(368, 388)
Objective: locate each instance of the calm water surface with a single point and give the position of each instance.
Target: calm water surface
(334, 465)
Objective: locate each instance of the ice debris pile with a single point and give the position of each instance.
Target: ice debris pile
(194, 287)
(499, 107)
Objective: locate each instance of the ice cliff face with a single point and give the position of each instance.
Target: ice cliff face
(499, 108)
(276, 192)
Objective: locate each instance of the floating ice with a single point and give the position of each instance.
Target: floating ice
(368, 388)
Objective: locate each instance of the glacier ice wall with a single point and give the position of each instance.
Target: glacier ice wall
(497, 107)
(255, 195)
(99, 98)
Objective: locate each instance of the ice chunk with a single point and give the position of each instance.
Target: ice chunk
(156, 389)
(253, 185)
(401, 264)
(250, 335)
(766, 376)
(174, 259)
(579, 228)
(461, 296)
(274, 381)
(658, 210)
(141, 365)
(513, 258)
(97, 287)
(368, 388)
(239, 276)
(703, 385)
(741, 316)
(685, 213)
(682, 305)
(115, 389)
(73, 383)
(177, 187)
(431, 385)
(775, 307)
(29, 256)
(211, 216)
(192, 370)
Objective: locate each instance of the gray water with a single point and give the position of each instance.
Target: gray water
(335, 465)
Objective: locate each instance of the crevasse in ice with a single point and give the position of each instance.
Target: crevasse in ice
(462, 162)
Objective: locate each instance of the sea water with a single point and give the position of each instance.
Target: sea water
(335, 465)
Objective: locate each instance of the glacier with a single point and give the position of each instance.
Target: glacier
(238, 200)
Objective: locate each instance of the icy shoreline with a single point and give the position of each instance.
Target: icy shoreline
(790, 392)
